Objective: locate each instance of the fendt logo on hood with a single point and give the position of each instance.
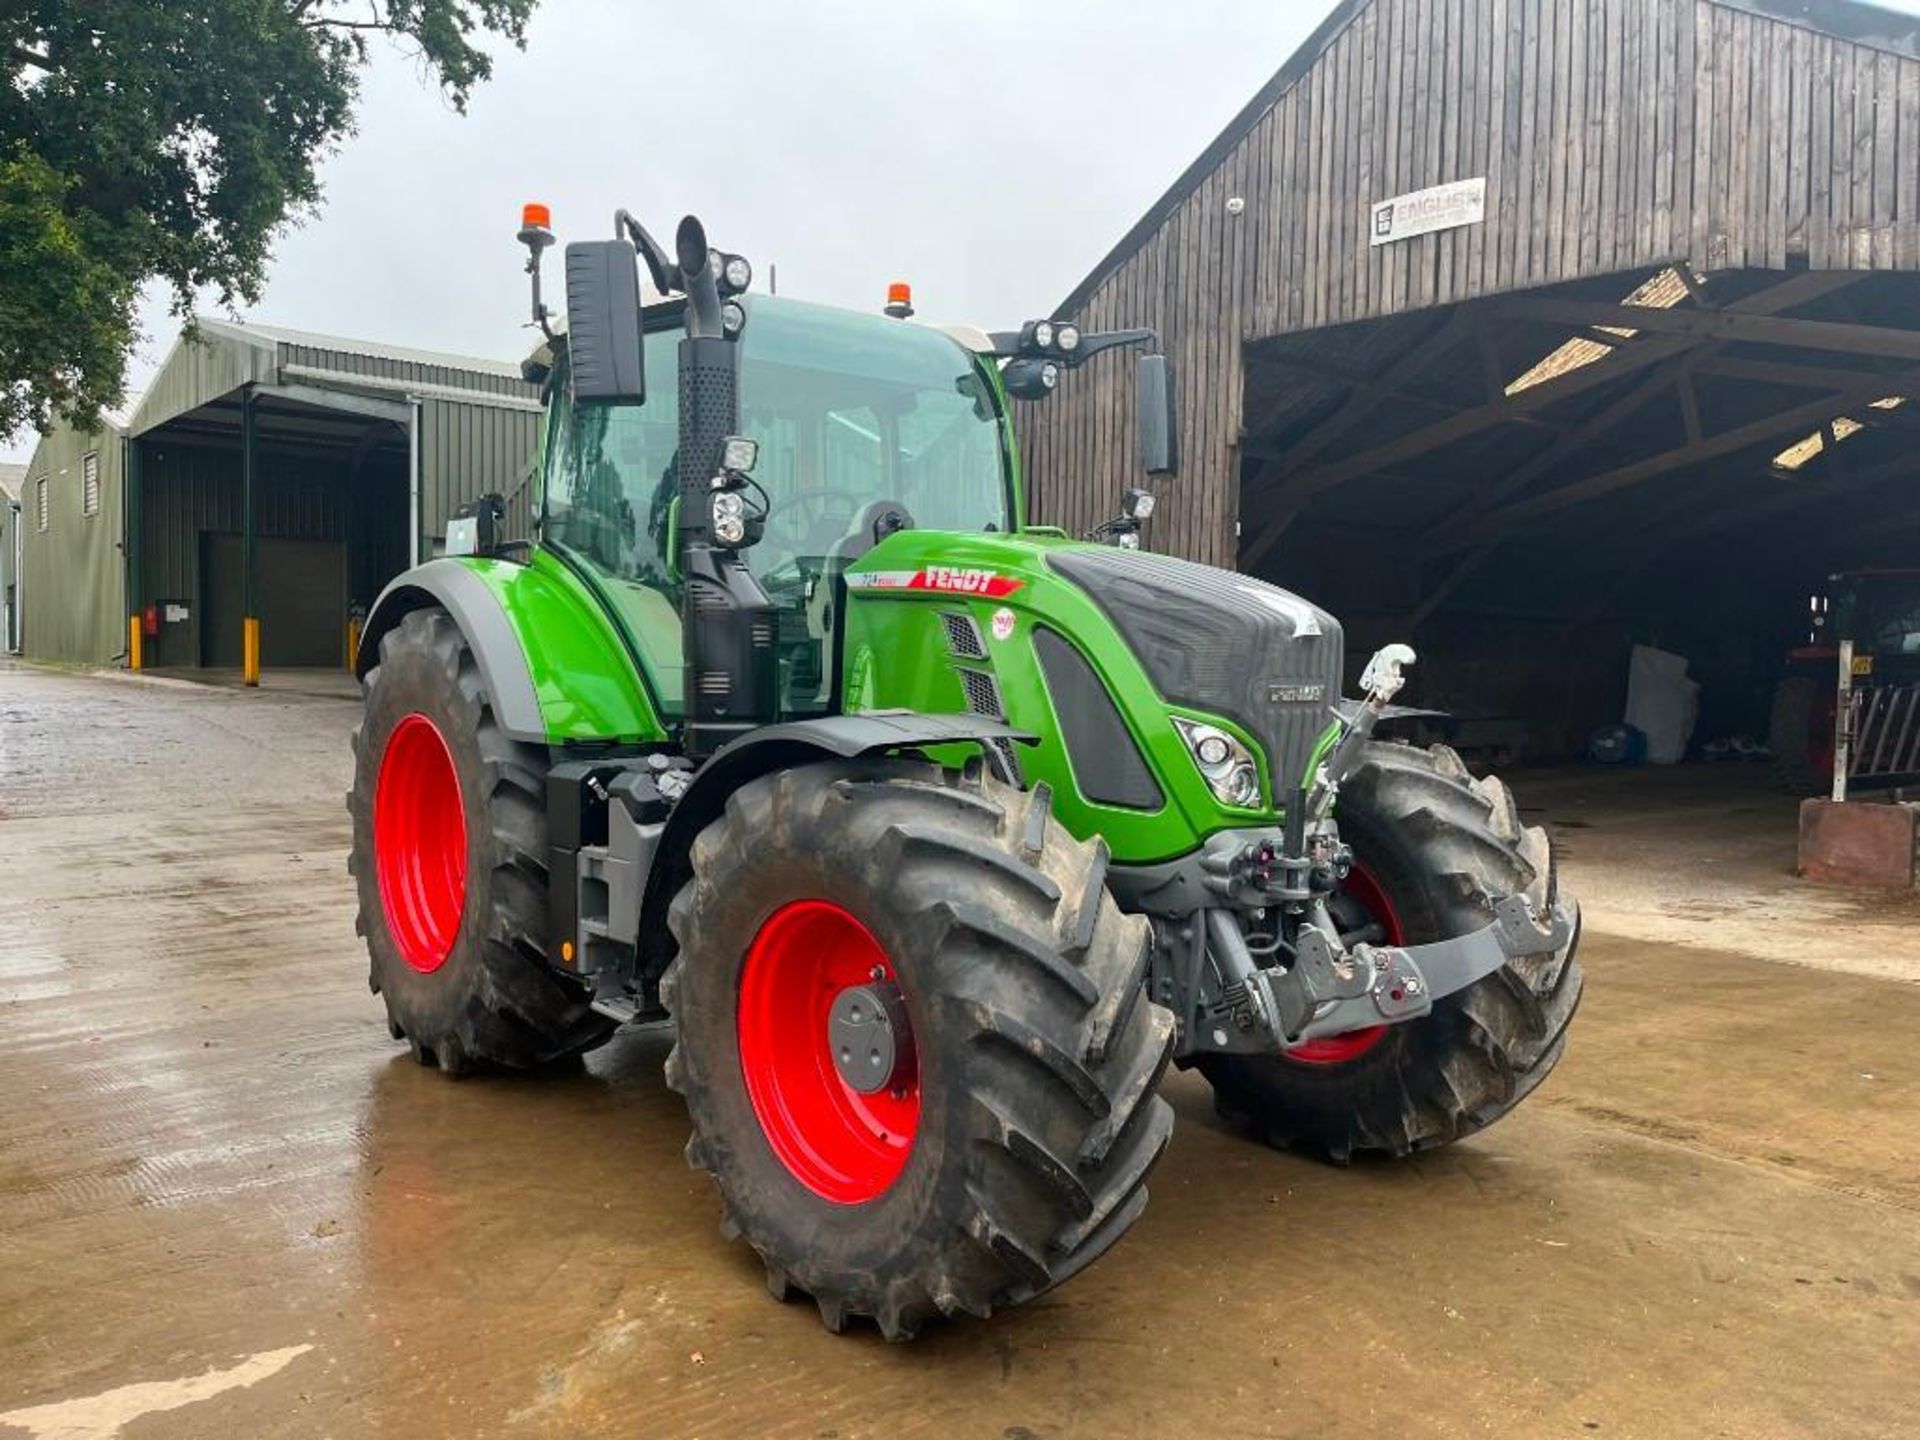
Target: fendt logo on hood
(944, 579)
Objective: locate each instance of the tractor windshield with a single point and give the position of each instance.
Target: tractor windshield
(849, 410)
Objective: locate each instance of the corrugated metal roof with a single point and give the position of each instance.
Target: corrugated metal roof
(344, 345)
(225, 355)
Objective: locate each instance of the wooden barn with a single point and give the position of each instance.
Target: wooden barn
(1532, 330)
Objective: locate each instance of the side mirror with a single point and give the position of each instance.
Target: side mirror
(603, 324)
(1159, 424)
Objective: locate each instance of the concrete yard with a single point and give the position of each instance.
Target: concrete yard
(230, 1206)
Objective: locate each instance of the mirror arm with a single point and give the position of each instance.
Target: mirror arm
(1092, 345)
(660, 267)
(1006, 343)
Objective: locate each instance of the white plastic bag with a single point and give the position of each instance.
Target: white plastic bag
(1662, 703)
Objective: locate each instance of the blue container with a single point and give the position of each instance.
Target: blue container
(1617, 745)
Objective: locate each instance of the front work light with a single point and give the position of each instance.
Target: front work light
(729, 518)
(739, 454)
(1068, 338)
(1137, 504)
(1030, 379)
(737, 273)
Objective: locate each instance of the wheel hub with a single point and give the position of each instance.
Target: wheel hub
(871, 1040)
(827, 1051)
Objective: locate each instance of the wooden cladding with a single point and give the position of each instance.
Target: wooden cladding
(1613, 135)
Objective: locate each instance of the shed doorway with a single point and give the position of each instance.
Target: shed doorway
(303, 601)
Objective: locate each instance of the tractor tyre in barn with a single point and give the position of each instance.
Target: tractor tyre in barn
(449, 857)
(1434, 849)
(913, 1040)
(1800, 734)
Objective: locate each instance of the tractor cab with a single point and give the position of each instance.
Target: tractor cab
(862, 427)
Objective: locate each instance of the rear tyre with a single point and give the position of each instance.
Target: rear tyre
(1800, 734)
(449, 858)
(1010, 1144)
(1435, 849)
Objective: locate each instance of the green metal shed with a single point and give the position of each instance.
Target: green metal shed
(70, 589)
(275, 480)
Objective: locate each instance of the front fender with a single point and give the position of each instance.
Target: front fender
(780, 747)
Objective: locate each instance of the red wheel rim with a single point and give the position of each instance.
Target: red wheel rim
(842, 1145)
(1364, 890)
(420, 843)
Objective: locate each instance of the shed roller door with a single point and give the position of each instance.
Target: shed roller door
(303, 602)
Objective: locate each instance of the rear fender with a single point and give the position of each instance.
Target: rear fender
(555, 669)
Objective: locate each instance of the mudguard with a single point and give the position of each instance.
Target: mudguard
(555, 668)
(779, 747)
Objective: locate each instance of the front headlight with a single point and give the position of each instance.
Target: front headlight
(1224, 763)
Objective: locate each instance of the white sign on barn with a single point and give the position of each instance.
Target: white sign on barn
(1444, 207)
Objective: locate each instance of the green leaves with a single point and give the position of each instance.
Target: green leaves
(170, 141)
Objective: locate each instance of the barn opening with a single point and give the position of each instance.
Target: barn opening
(1533, 485)
(327, 522)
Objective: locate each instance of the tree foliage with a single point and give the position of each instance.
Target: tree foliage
(170, 140)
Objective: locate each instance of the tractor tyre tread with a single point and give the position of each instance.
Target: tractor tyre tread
(495, 1001)
(1796, 701)
(1036, 1161)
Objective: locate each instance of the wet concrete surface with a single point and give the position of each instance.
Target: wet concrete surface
(228, 1207)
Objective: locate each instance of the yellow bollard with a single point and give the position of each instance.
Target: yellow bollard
(250, 651)
(353, 642)
(135, 634)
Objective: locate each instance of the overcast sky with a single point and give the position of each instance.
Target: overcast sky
(988, 151)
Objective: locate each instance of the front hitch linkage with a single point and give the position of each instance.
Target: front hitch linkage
(1329, 989)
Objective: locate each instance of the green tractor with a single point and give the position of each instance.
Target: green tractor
(935, 833)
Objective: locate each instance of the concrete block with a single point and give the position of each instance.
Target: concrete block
(1858, 842)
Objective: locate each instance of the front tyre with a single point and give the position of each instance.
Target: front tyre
(1434, 849)
(449, 858)
(913, 1040)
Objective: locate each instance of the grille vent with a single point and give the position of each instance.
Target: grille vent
(963, 636)
(983, 698)
(983, 695)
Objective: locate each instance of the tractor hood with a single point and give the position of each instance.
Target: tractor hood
(1098, 651)
(1223, 643)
